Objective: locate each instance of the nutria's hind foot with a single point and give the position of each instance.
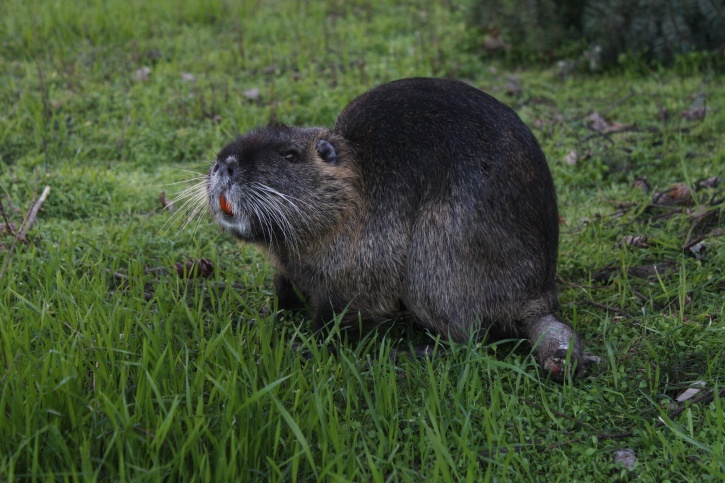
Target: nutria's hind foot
(552, 340)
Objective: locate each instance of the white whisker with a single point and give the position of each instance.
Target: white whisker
(278, 214)
(286, 198)
(274, 213)
(198, 178)
(261, 215)
(193, 202)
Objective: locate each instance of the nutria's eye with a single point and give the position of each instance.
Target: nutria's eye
(291, 156)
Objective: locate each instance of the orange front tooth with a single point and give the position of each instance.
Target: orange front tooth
(225, 205)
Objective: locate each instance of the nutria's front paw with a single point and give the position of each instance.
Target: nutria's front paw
(288, 296)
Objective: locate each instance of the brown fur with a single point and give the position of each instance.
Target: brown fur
(427, 195)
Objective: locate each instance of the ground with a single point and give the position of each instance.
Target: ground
(122, 360)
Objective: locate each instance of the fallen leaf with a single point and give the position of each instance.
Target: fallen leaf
(698, 250)
(678, 193)
(639, 241)
(597, 122)
(698, 109)
(641, 183)
(513, 86)
(710, 183)
(619, 127)
(142, 74)
(251, 94)
(195, 268)
(625, 457)
(651, 271)
(565, 68)
(691, 392)
(493, 44)
(571, 158)
(694, 114)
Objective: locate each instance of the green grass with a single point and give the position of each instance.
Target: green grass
(158, 377)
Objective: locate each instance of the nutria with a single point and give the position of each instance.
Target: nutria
(427, 196)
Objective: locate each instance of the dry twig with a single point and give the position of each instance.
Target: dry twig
(25, 227)
(7, 226)
(617, 310)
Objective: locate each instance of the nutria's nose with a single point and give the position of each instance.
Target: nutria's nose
(229, 164)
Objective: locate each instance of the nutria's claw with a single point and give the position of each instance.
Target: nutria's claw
(556, 366)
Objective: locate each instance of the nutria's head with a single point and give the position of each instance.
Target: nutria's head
(283, 187)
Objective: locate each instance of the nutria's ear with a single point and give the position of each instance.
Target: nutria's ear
(326, 151)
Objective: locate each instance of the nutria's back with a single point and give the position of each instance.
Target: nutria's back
(429, 145)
